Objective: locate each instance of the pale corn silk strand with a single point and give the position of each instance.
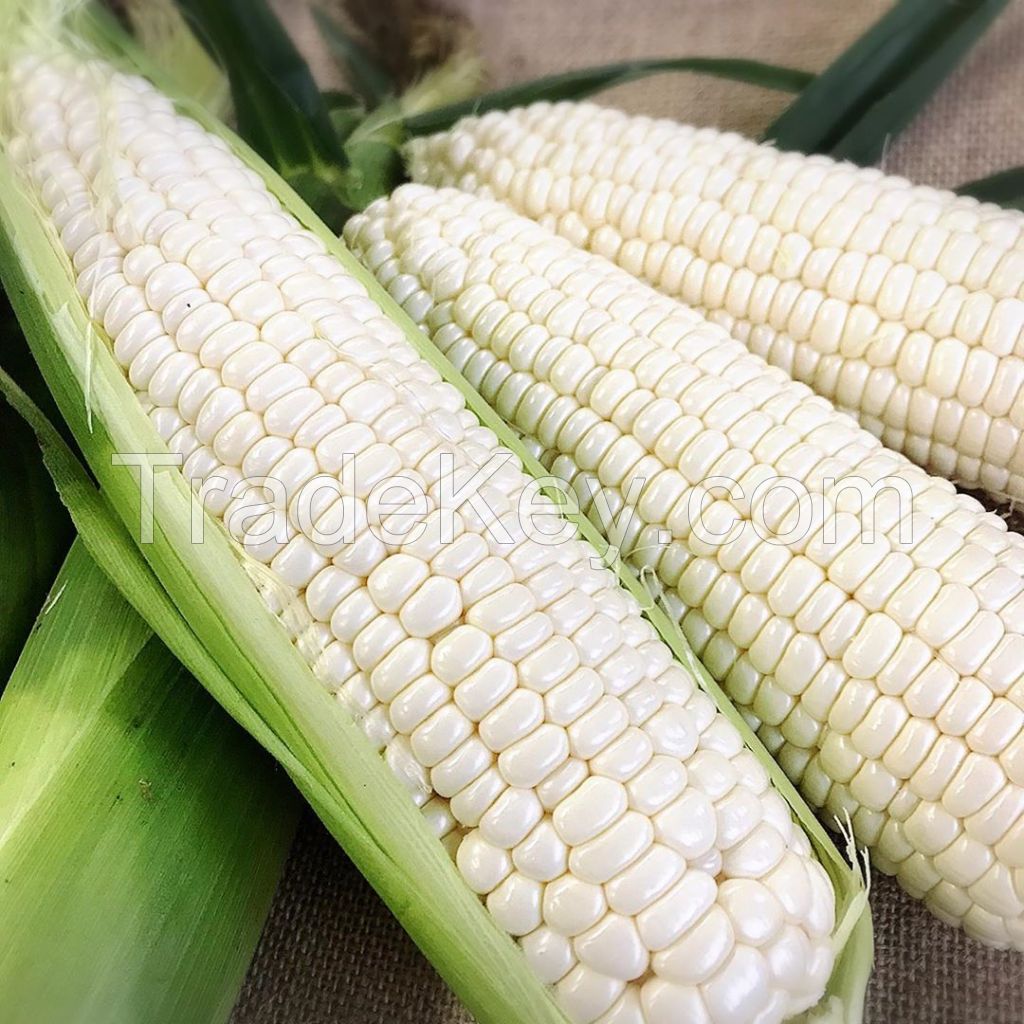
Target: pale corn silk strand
(900, 303)
(881, 659)
(609, 815)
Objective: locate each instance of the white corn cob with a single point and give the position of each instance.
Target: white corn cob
(886, 672)
(901, 304)
(610, 816)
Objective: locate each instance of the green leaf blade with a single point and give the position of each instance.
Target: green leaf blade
(373, 84)
(34, 526)
(865, 142)
(579, 84)
(1005, 188)
(873, 89)
(278, 107)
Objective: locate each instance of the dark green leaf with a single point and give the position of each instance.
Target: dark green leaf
(16, 359)
(361, 69)
(575, 85)
(337, 100)
(865, 143)
(346, 120)
(877, 85)
(35, 530)
(278, 107)
(1005, 188)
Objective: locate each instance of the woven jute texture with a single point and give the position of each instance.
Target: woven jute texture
(331, 954)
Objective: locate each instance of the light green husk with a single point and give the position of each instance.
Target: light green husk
(200, 600)
(142, 833)
(163, 33)
(458, 79)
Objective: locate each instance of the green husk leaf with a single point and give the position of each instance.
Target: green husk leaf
(375, 156)
(278, 107)
(873, 89)
(345, 120)
(458, 78)
(34, 527)
(362, 70)
(202, 603)
(577, 85)
(1005, 188)
(142, 833)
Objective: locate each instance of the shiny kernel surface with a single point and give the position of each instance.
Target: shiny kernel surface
(903, 305)
(879, 659)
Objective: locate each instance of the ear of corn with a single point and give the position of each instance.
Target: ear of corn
(901, 304)
(234, 646)
(204, 285)
(882, 660)
(141, 832)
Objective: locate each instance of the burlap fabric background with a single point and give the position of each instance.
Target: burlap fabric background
(330, 953)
